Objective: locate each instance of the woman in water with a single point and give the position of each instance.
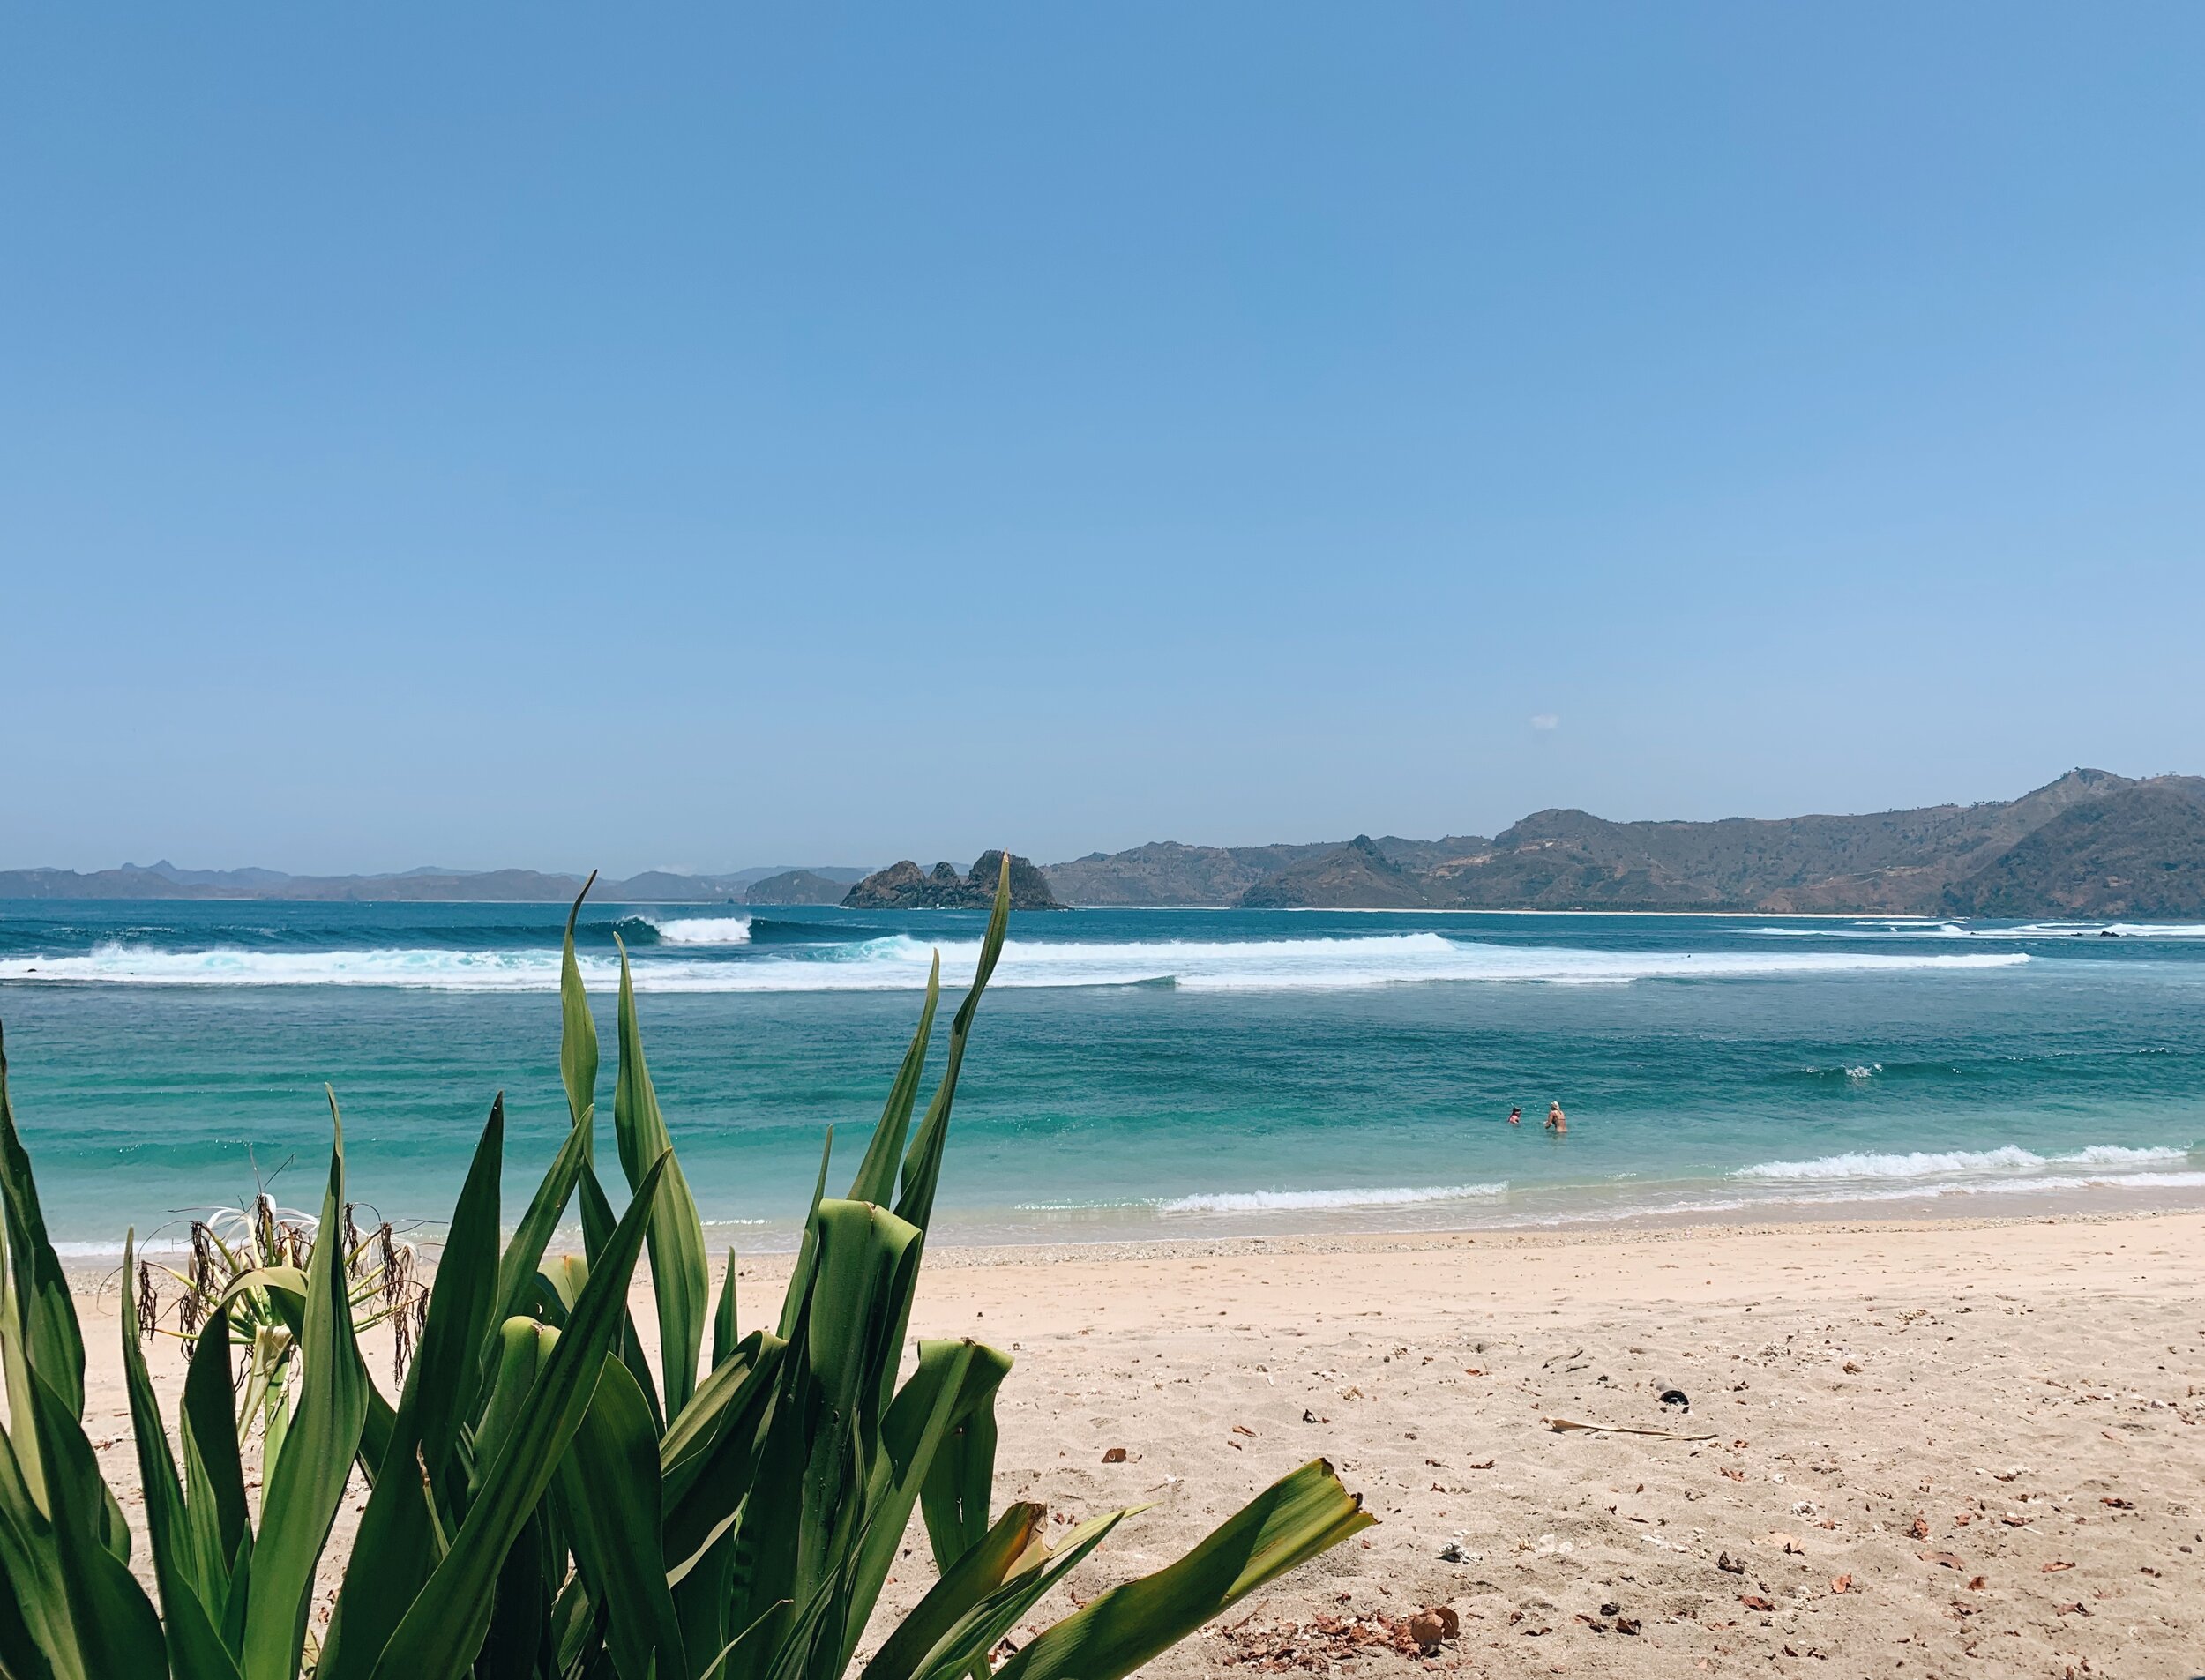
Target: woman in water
(1515, 1117)
(1557, 1121)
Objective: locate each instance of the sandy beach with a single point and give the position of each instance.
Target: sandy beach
(1911, 1448)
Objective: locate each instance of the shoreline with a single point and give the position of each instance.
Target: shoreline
(949, 1243)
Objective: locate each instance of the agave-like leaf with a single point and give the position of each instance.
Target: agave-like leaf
(680, 1279)
(597, 1225)
(578, 1033)
(302, 1494)
(1298, 1517)
(516, 1267)
(609, 1480)
(923, 1166)
(195, 1647)
(400, 1535)
(983, 1568)
(111, 1626)
(443, 1628)
(799, 1288)
(962, 1477)
(214, 1472)
(710, 1452)
(964, 1648)
(38, 1320)
(821, 1438)
(954, 1379)
(876, 1180)
(724, 1336)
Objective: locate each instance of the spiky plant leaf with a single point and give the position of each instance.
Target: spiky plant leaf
(400, 1537)
(724, 1335)
(195, 1647)
(923, 1166)
(578, 1032)
(876, 1180)
(978, 1572)
(1298, 1517)
(300, 1499)
(681, 1281)
(610, 1479)
(443, 1628)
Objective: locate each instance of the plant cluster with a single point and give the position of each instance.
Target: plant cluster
(541, 1504)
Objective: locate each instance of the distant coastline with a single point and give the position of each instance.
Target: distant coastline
(2088, 846)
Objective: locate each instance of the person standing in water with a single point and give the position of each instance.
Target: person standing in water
(1515, 1117)
(1557, 1121)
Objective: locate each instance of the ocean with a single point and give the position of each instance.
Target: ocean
(1134, 1073)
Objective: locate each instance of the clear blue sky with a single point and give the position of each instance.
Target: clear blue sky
(563, 435)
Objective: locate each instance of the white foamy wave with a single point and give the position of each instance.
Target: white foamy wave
(2107, 1154)
(1283, 1201)
(703, 930)
(1946, 1163)
(1901, 928)
(897, 962)
(1920, 1164)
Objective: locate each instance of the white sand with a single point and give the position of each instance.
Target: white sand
(2004, 1384)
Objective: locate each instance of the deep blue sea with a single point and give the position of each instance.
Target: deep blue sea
(1134, 1072)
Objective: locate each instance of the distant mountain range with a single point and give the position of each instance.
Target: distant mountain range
(2091, 844)
(165, 880)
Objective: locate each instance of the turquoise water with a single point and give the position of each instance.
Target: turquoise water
(1134, 1072)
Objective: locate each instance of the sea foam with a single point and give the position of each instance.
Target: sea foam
(1925, 1164)
(898, 962)
(1277, 1201)
(702, 930)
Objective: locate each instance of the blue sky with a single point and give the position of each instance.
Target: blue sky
(716, 435)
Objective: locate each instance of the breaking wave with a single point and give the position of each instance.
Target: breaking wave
(702, 929)
(899, 962)
(1283, 1201)
(1901, 928)
(2010, 1160)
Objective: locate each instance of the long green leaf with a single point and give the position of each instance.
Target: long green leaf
(442, 1630)
(710, 1452)
(195, 1648)
(724, 1336)
(446, 1374)
(516, 1267)
(308, 1483)
(116, 1631)
(964, 1648)
(35, 1629)
(954, 1379)
(1289, 1522)
(397, 1544)
(38, 1320)
(876, 1180)
(962, 1477)
(923, 1166)
(597, 1226)
(680, 1279)
(799, 1288)
(578, 1033)
(983, 1568)
(609, 1484)
(214, 1474)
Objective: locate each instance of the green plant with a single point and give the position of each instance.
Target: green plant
(541, 1504)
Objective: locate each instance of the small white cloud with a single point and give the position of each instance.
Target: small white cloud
(1545, 720)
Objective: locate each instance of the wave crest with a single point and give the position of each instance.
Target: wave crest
(2010, 1159)
(895, 962)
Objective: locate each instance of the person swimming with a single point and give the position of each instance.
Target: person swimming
(1557, 1121)
(1515, 1117)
